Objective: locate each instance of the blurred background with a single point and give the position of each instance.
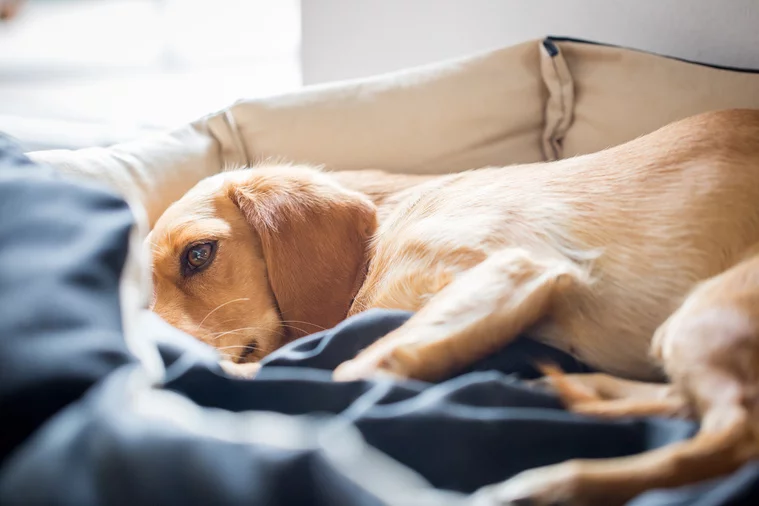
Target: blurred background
(77, 73)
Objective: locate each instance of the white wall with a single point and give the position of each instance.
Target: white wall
(354, 38)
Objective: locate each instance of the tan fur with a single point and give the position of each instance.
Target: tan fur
(291, 255)
(313, 236)
(646, 220)
(635, 227)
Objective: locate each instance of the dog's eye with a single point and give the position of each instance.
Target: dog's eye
(197, 257)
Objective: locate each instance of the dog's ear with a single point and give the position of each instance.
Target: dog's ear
(315, 236)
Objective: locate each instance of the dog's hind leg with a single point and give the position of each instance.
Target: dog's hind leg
(607, 396)
(710, 350)
(613, 482)
(476, 314)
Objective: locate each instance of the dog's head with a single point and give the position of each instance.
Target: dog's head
(249, 260)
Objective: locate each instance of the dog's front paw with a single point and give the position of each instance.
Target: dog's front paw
(396, 362)
(558, 485)
(245, 371)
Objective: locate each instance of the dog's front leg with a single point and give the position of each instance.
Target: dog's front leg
(475, 315)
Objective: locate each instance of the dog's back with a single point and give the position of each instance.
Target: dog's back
(649, 219)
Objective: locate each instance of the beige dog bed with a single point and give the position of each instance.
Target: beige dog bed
(540, 100)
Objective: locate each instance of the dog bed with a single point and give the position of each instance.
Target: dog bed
(103, 403)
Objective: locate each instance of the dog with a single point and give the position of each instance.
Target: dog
(594, 255)
(583, 254)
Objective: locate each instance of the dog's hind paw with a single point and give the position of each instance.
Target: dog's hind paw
(557, 485)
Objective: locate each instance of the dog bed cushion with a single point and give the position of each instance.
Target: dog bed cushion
(536, 101)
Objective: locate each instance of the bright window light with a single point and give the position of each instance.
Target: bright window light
(99, 71)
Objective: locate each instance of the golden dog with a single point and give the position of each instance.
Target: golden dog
(590, 255)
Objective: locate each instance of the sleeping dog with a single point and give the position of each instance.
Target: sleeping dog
(591, 255)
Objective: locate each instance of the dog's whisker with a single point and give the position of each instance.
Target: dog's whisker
(219, 335)
(230, 320)
(255, 327)
(235, 347)
(217, 308)
(299, 329)
(318, 327)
